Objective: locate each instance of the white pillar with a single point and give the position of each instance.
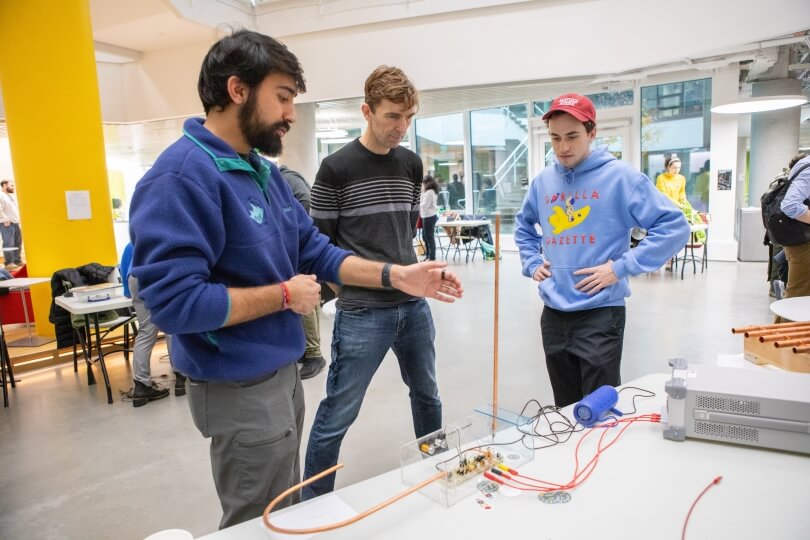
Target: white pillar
(300, 151)
(774, 136)
(723, 244)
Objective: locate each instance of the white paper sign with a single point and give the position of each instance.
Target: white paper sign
(78, 204)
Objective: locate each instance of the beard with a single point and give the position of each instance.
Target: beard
(259, 135)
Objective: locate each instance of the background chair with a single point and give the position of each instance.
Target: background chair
(695, 243)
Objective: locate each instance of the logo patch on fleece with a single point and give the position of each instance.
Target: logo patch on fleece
(256, 212)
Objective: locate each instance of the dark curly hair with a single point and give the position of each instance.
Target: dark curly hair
(249, 55)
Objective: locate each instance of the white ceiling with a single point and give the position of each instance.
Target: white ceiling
(144, 25)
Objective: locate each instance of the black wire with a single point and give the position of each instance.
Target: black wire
(557, 428)
(649, 393)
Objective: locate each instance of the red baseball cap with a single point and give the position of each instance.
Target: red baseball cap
(576, 105)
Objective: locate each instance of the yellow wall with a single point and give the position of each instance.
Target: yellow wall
(51, 98)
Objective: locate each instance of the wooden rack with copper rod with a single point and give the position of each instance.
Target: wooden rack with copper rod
(786, 345)
(791, 342)
(755, 329)
(345, 522)
(779, 336)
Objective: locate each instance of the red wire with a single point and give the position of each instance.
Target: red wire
(582, 474)
(702, 493)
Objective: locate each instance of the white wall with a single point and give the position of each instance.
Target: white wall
(112, 91)
(164, 83)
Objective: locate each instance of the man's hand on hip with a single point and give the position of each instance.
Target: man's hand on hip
(598, 278)
(542, 271)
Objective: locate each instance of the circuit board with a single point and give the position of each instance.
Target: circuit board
(472, 463)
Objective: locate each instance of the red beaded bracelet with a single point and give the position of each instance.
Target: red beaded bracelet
(286, 298)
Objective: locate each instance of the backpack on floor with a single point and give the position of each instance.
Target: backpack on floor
(782, 229)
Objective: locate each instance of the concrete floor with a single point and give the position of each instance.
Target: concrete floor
(76, 467)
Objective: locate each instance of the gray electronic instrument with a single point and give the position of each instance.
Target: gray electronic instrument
(755, 407)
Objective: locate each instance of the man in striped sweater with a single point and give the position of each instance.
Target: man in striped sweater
(366, 199)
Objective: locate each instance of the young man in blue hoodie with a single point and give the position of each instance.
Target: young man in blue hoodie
(585, 205)
(227, 261)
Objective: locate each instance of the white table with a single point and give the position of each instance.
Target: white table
(22, 285)
(642, 488)
(795, 309)
(91, 310)
(469, 247)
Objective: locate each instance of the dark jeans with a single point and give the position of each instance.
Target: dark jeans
(12, 238)
(429, 235)
(360, 340)
(583, 350)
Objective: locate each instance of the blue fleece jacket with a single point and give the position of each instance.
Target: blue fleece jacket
(202, 220)
(585, 215)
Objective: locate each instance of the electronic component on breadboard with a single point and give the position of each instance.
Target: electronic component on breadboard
(469, 466)
(437, 445)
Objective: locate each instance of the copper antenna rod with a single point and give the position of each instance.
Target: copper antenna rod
(495, 326)
(783, 335)
(345, 522)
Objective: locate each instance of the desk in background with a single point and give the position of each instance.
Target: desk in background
(642, 488)
(91, 310)
(470, 247)
(22, 285)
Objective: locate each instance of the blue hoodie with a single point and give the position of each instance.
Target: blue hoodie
(586, 214)
(203, 219)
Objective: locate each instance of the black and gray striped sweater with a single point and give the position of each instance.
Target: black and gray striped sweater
(368, 203)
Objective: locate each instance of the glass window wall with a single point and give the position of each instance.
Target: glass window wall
(440, 144)
(676, 119)
(500, 161)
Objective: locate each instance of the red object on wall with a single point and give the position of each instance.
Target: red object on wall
(11, 308)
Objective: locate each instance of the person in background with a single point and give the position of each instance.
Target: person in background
(673, 185)
(794, 206)
(10, 225)
(671, 182)
(313, 361)
(145, 390)
(702, 185)
(227, 260)
(428, 212)
(366, 199)
(586, 204)
(457, 193)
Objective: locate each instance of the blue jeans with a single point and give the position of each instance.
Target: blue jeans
(360, 340)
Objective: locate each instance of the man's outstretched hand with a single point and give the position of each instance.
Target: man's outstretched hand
(430, 279)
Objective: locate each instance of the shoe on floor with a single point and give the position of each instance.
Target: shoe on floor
(778, 289)
(179, 384)
(143, 394)
(312, 366)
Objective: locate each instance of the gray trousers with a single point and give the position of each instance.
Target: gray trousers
(147, 336)
(12, 238)
(255, 430)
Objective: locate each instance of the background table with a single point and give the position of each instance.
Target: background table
(469, 247)
(22, 285)
(91, 310)
(641, 488)
(793, 309)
